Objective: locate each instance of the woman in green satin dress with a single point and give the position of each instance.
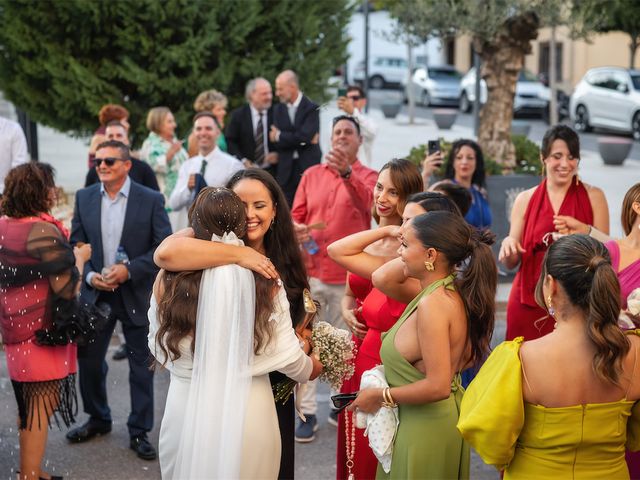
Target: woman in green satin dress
(446, 328)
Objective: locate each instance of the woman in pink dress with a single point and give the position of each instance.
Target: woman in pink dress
(39, 282)
(625, 260)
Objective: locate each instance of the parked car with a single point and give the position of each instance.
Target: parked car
(383, 72)
(435, 85)
(531, 97)
(607, 97)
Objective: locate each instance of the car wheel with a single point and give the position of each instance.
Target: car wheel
(424, 98)
(581, 123)
(465, 104)
(376, 82)
(635, 126)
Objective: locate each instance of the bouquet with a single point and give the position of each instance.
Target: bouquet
(336, 352)
(629, 319)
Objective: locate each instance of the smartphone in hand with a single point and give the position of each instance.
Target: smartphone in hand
(433, 146)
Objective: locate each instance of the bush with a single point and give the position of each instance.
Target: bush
(527, 157)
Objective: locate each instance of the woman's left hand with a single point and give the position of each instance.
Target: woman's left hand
(367, 401)
(568, 225)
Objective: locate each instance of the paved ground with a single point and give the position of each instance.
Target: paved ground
(110, 458)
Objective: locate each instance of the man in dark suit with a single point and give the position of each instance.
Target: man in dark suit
(247, 132)
(295, 133)
(141, 172)
(124, 222)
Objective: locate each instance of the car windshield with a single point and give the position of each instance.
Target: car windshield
(527, 76)
(443, 74)
(635, 79)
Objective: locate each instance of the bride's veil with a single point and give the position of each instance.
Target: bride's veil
(211, 440)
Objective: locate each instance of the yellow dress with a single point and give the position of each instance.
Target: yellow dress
(534, 442)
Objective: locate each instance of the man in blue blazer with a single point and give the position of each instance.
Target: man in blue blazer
(124, 222)
(295, 133)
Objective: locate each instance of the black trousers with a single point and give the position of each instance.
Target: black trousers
(93, 370)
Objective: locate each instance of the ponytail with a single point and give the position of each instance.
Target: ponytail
(477, 286)
(602, 314)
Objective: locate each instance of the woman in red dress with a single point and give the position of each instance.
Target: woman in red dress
(39, 279)
(561, 193)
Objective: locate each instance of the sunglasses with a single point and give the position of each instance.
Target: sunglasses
(343, 400)
(109, 161)
(355, 98)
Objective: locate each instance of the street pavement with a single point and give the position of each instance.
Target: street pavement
(109, 457)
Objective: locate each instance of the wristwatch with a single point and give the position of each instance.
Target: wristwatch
(346, 174)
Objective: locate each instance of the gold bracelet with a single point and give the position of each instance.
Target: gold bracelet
(388, 401)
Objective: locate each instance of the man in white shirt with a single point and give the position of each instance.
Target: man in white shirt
(353, 104)
(13, 148)
(214, 166)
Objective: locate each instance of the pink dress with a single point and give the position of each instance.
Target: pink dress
(629, 278)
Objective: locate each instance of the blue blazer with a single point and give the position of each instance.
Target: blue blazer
(146, 224)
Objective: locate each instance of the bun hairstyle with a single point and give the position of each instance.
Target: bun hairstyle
(215, 211)
(406, 177)
(450, 235)
(583, 267)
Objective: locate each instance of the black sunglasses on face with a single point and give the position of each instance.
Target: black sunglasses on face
(355, 98)
(109, 161)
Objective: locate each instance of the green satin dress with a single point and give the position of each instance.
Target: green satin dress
(427, 444)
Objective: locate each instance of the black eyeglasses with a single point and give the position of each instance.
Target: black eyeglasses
(109, 161)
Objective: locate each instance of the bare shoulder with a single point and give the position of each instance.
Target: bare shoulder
(439, 304)
(595, 193)
(524, 196)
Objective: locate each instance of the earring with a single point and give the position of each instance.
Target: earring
(273, 222)
(429, 266)
(550, 309)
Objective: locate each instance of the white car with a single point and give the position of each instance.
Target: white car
(383, 71)
(436, 85)
(531, 94)
(607, 97)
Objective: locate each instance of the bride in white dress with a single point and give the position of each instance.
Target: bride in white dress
(220, 418)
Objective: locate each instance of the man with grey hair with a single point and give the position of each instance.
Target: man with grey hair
(294, 134)
(247, 132)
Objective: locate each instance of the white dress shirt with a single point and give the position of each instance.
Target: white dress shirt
(292, 108)
(13, 148)
(368, 130)
(220, 168)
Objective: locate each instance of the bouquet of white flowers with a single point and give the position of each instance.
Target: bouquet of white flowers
(629, 319)
(336, 351)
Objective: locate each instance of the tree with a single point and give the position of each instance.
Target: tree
(60, 61)
(623, 16)
(502, 32)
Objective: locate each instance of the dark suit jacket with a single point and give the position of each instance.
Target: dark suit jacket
(141, 172)
(146, 224)
(240, 134)
(296, 137)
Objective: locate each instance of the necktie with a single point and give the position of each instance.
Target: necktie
(259, 137)
(203, 167)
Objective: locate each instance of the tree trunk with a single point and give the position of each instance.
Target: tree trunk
(410, 96)
(553, 85)
(502, 60)
(633, 46)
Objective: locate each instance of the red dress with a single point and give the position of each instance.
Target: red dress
(379, 313)
(524, 316)
(24, 309)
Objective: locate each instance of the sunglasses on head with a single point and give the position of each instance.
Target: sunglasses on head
(109, 161)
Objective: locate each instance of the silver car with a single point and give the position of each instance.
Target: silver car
(532, 97)
(607, 97)
(436, 85)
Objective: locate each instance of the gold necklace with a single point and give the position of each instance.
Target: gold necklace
(350, 442)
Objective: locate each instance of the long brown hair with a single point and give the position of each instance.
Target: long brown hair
(215, 211)
(280, 246)
(628, 216)
(406, 177)
(583, 267)
(449, 234)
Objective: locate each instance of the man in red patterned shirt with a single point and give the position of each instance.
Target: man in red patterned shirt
(333, 200)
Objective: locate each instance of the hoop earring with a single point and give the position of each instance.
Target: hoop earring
(550, 309)
(429, 266)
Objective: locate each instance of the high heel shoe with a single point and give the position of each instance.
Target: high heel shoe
(53, 477)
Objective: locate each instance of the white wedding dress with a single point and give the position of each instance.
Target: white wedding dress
(218, 421)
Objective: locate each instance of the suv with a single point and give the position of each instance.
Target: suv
(607, 97)
(531, 94)
(435, 85)
(383, 71)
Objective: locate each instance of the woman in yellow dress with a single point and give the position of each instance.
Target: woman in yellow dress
(564, 405)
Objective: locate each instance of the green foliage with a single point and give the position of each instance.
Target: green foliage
(527, 157)
(622, 16)
(60, 61)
